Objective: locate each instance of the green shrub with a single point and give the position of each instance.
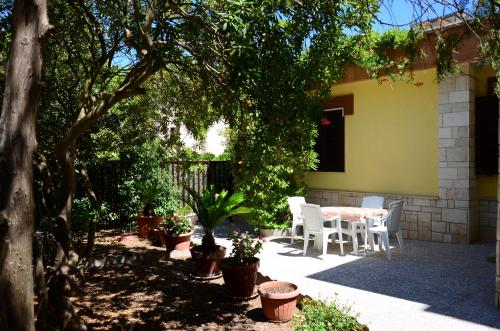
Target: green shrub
(184, 210)
(145, 182)
(177, 225)
(319, 315)
(83, 212)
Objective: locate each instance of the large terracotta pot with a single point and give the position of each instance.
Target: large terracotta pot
(207, 264)
(178, 243)
(239, 280)
(278, 300)
(147, 224)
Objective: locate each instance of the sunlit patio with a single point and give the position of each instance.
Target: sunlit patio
(431, 286)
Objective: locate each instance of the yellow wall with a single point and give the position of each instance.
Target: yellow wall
(391, 141)
(487, 185)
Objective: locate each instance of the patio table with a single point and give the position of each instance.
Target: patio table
(355, 216)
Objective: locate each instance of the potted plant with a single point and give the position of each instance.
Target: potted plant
(153, 193)
(240, 269)
(212, 209)
(178, 232)
(278, 300)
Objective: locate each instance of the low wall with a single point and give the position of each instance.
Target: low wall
(487, 219)
(422, 217)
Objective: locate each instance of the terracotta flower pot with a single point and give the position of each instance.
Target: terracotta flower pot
(207, 264)
(178, 243)
(146, 225)
(239, 279)
(278, 300)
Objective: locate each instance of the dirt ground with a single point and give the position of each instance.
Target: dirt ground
(129, 285)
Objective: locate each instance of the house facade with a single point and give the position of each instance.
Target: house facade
(423, 141)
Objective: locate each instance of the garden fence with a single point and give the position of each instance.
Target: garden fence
(199, 175)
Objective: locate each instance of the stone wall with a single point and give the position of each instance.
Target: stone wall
(457, 179)
(487, 219)
(418, 213)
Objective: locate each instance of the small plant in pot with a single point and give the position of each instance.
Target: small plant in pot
(212, 209)
(155, 200)
(240, 269)
(178, 232)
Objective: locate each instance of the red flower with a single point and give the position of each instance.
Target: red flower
(325, 122)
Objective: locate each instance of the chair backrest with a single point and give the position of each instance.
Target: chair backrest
(294, 204)
(313, 220)
(372, 201)
(394, 216)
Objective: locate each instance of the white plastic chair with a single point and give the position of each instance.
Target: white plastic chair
(297, 220)
(355, 227)
(389, 224)
(314, 225)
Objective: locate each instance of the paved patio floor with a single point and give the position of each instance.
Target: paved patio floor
(432, 286)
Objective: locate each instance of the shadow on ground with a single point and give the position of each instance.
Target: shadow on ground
(453, 280)
(136, 289)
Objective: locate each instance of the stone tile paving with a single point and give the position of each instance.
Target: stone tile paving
(432, 286)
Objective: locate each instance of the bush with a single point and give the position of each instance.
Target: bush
(177, 225)
(321, 315)
(83, 212)
(145, 171)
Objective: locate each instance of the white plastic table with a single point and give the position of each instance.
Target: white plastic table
(355, 216)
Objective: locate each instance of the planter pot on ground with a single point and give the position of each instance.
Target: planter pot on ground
(274, 233)
(207, 264)
(178, 243)
(278, 300)
(146, 225)
(239, 280)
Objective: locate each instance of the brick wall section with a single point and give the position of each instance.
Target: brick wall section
(487, 219)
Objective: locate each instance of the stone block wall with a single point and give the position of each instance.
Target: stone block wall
(487, 219)
(421, 219)
(457, 179)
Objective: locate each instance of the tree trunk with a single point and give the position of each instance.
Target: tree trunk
(96, 204)
(67, 162)
(17, 144)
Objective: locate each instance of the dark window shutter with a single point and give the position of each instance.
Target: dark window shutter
(330, 144)
(487, 135)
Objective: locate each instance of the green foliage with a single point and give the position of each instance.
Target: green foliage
(184, 210)
(177, 225)
(445, 47)
(318, 315)
(213, 208)
(244, 248)
(146, 186)
(84, 212)
(391, 53)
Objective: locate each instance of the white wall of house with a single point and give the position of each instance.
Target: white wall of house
(214, 143)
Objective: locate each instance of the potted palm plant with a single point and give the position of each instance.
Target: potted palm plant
(212, 209)
(178, 232)
(240, 269)
(153, 194)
